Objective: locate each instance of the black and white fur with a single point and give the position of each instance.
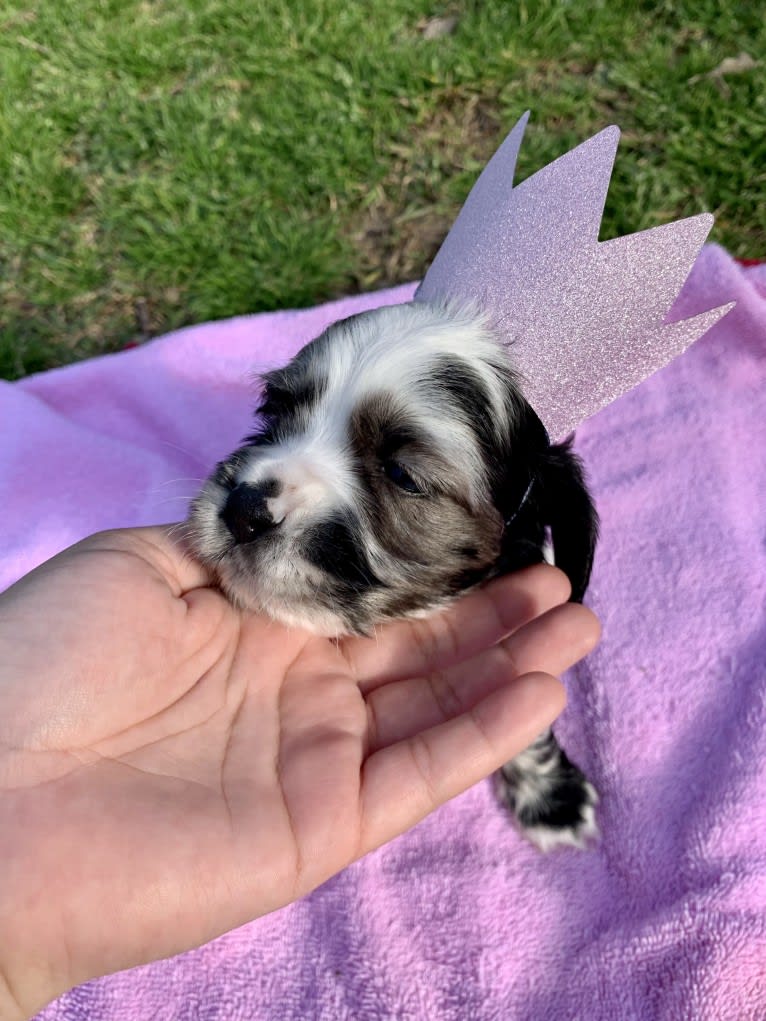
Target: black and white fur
(396, 465)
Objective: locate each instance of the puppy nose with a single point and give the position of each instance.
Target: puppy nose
(245, 513)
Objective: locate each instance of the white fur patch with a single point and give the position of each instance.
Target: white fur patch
(547, 838)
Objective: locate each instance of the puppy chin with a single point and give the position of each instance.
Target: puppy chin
(292, 612)
(302, 609)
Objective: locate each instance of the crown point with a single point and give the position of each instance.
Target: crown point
(608, 138)
(705, 221)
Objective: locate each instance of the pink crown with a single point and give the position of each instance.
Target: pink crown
(583, 319)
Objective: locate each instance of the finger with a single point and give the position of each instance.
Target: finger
(551, 644)
(403, 783)
(409, 648)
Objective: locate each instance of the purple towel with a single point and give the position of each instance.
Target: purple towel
(460, 919)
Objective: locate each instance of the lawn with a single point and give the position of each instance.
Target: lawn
(164, 163)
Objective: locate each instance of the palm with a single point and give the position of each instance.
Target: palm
(222, 765)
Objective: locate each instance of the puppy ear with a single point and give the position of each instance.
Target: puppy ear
(543, 485)
(569, 512)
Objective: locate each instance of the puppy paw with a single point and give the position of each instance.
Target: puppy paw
(554, 809)
(565, 825)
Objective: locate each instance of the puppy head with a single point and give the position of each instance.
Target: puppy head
(388, 456)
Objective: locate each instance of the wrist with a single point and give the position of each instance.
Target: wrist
(32, 968)
(10, 1008)
(27, 982)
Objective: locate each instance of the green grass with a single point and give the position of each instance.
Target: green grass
(163, 163)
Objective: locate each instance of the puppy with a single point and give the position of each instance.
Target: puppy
(395, 466)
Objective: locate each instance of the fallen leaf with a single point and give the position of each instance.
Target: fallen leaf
(435, 28)
(730, 65)
(734, 65)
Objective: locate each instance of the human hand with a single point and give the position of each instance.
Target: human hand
(171, 767)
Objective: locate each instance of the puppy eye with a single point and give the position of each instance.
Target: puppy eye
(401, 477)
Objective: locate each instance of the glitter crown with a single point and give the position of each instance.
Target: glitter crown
(584, 320)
